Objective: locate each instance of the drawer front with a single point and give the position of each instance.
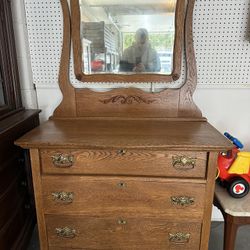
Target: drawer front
(121, 233)
(101, 195)
(125, 162)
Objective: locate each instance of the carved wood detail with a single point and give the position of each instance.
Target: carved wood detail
(164, 105)
(131, 99)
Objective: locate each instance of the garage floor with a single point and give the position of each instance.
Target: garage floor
(216, 237)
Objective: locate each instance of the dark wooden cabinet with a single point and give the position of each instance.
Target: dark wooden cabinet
(10, 93)
(17, 209)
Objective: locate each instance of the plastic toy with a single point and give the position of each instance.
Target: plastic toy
(234, 169)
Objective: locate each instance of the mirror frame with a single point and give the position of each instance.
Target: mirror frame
(137, 77)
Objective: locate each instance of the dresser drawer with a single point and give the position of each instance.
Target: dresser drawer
(121, 233)
(102, 195)
(125, 162)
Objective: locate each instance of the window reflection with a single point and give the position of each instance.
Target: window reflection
(140, 56)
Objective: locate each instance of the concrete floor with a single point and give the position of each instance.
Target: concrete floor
(216, 238)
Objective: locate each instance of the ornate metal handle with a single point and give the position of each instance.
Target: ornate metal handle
(64, 197)
(63, 160)
(179, 238)
(182, 200)
(65, 232)
(122, 222)
(183, 162)
(121, 152)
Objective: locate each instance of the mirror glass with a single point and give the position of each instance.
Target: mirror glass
(127, 37)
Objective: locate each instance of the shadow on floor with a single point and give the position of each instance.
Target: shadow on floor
(34, 242)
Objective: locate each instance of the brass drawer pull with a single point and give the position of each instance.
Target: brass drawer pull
(121, 152)
(182, 200)
(179, 238)
(183, 162)
(122, 222)
(66, 232)
(122, 185)
(64, 197)
(63, 160)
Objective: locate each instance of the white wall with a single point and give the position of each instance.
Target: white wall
(48, 100)
(227, 108)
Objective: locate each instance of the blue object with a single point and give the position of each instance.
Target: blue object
(234, 140)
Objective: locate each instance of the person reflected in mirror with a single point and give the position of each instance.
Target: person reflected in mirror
(140, 56)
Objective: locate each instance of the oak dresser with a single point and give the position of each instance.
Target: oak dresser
(124, 184)
(125, 169)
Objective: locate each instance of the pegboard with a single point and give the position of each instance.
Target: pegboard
(222, 42)
(45, 27)
(221, 37)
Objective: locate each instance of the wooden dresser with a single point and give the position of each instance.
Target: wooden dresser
(125, 169)
(124, 184)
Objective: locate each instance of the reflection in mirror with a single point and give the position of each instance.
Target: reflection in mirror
(127, 37)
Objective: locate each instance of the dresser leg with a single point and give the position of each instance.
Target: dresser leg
(230, 231)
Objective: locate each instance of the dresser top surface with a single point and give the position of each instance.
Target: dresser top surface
(110, 133)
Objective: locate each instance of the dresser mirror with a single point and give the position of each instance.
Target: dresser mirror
(127, 41)
(127, 101)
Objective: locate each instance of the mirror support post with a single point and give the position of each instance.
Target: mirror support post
(67, 107)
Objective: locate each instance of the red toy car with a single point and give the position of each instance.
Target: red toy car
(234, 169)
(97, 65)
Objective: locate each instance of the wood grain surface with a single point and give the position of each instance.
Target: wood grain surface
(187, 107)
(34, 155)
(211, 176)
(148, 134)
(129, 102)
(113, 195)
(106, 233)
(125, 162)
(67, 106)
